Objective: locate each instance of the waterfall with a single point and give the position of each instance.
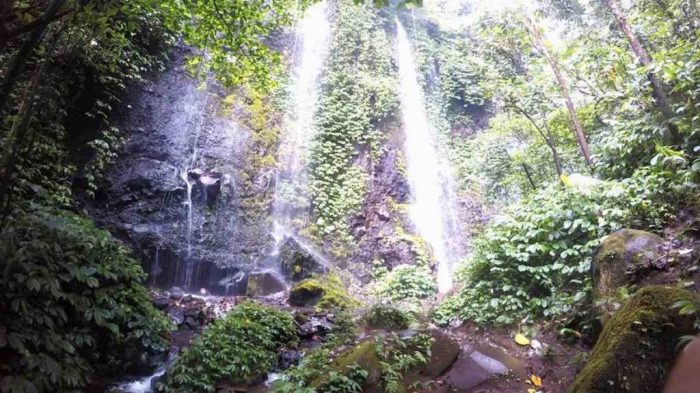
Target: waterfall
(196, 121)
(290, 207)
(431, 208)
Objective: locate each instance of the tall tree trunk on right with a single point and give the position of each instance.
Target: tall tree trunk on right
(644, 59)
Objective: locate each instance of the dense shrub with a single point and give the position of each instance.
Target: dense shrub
(536, 260)
(72, 306)
(404, 282)
(239, 349)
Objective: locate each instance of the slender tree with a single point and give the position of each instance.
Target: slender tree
(552, 59)
(644, 59)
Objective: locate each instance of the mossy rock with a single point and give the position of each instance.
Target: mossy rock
(618, 261)
(363, 356)
(298, 263)
(322, 292)
(638, 344)
(387, 318)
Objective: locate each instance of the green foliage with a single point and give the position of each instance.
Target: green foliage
(72, 306)
(229, 35)
(405, 282)
(387, 318)
(357, 93)
(85, 64)
(390, 354)
(536, 261)
(239, 348)
(398, 355)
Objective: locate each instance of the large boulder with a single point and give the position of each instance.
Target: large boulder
(322, 292)
(619, 261)
(298, 262)
(264, 283)
(443, 354)
(638, 344)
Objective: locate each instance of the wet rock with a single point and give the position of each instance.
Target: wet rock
(194, 174)
(263, 284)
(619, 261)
(297, 262)
(211, 187)
(176, 293)
(637, 347)
(314, 325)
(176, 315)
(443, 354)
(235, 284)
(289, 358)
(477, 365)
(161, 302)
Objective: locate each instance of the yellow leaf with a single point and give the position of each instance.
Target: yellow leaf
(521, 340)
(536, 380)
(531, 391)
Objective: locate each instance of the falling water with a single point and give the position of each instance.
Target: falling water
(196, 121)
(428, 176)
(310, 51)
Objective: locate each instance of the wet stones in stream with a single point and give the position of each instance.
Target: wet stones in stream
(185, 311)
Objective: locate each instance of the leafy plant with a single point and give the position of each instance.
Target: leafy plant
(239, 348)
(536, 260)
(72, 306)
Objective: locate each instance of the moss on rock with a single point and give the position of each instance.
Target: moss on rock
(323, 292)
(638, 344)
(617, 262)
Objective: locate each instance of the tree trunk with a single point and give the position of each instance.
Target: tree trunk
(645, 60)
(529, 176)
(564, 88)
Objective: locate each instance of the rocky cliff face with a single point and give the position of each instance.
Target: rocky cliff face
(180, 132)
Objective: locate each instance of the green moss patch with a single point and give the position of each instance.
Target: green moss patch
(638, 344)
(322, 292)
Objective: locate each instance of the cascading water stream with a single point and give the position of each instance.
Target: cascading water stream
(310, 51)
(428, 176)
(196, 119)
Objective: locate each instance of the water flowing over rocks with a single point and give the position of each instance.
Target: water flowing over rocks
(182, 147)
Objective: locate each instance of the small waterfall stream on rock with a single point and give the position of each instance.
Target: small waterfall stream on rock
(197, 118)
(291, 196)
(428, 175)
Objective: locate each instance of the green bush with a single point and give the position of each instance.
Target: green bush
(72, 307)
(239, 349)
(387, 318)
(536, 261)
(405, 282)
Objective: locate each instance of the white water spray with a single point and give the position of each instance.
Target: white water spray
(428, 176)
(310, 51)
